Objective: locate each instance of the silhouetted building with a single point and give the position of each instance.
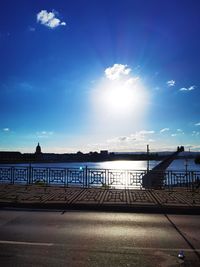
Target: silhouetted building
(38, 150)
(180, 149)
(104, 153)
(10, 156)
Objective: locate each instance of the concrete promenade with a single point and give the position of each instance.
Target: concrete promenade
(159, 201)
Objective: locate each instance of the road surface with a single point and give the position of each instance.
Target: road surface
(85, 238)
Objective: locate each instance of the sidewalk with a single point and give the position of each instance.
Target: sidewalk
(48, 197)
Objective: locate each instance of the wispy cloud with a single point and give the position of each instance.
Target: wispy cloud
(144, 132)
(180, 131)
(187, 89)
(171, 83)
(31, 29)
(137, 136)
(44, 134)
(117, 71)
(164, 130)
(25, 86)
(49, 19)
(6, 130)
(195, 133)
(174, 134)
(197, 124)
(133, 142)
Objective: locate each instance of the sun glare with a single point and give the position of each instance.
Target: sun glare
(122, 97)
(119, 104)
(118, 99)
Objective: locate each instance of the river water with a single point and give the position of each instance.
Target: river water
(176, 165)
(119, 164)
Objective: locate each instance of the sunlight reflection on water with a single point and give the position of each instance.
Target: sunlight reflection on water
(176, 165)
(118, 164)
(127, 165)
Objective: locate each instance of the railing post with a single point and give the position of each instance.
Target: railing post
(171, 181)
(86, 177)
(29, 174)
(192, 186)
(108, 178)
(67, 176)
(126, 179)
(48, 180)
(12, 175)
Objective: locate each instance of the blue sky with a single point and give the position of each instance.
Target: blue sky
(92, 74)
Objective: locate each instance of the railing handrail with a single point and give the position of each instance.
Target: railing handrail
(93, 168)
(90, 176)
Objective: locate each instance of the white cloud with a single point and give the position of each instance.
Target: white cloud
(142, 135)
(174, 134)
(197, 124)
(123, 138)
(171, 83)
(164, 130)
(194, 133)
(191, 88)
(31, 29)
(119, 139)
(133, 142)
(180, 131)
(144, 132)
(44, 134)
(188, 88)
(6, 129)
(131, 81)
(193, 147)
(63, 23)
(49, 19)
(117, 71)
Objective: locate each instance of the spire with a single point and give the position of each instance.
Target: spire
(38, 149)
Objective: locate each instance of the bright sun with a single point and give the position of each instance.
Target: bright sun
(122, 97)
(118, 98)
(120, 101)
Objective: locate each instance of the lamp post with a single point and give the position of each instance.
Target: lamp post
(186, 165)
(186, 170)
(148, 158)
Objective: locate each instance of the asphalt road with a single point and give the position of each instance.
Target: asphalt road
(80, 238)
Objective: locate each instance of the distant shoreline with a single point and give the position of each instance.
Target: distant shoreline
(17, 157)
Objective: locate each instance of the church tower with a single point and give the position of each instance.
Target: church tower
(38, 150)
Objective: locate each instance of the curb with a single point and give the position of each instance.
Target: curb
(106, 207)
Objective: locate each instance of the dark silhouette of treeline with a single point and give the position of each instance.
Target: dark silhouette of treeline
(17, 157)
(197, 160)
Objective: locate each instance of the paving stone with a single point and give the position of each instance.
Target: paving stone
(66, 195)
(10, 193)
(91, 196)
(170, 198)
(115, 196)
(141, 197)
(192, 198)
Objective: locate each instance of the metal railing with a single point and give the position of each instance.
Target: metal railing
(92, 177)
